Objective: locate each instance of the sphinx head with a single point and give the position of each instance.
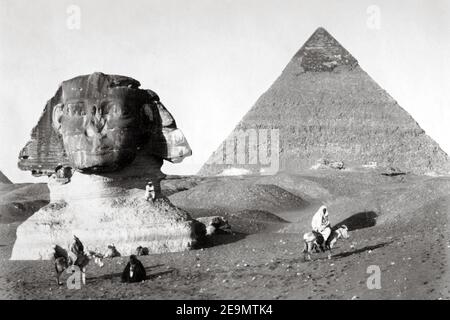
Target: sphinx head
(101, 122)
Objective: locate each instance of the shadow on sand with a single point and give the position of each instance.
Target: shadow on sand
(147, 269)
(219, 239)
(357, 251)
(360, 220)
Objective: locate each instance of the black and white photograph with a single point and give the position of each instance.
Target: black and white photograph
(234, 151)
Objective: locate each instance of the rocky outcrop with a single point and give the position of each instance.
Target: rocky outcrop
(327, 164)
(215, 225)
(324, 105)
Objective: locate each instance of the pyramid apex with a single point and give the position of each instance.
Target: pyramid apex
(322, 52)
(320, 29)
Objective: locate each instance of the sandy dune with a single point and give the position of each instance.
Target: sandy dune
(399, 224)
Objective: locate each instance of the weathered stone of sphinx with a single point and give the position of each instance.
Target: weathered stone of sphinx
(107, 209)
(98, 123)
(100, 140)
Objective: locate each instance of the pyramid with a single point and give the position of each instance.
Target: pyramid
(4, 179)
(324, 106)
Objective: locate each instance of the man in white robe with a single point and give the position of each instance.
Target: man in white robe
(321, 224)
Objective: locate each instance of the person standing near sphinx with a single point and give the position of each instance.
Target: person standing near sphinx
(150, 191)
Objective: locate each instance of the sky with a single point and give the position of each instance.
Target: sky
(209, 60)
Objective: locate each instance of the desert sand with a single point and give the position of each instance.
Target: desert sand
(399, 223)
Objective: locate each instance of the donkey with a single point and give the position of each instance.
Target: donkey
(63, 259)
(310, 240)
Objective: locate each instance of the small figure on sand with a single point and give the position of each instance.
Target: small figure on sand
(79, 257)
(112, 252)
(61, 261)
(142, 251)
(64, 259)
(150, 191)
(134, 271)
(321, 226)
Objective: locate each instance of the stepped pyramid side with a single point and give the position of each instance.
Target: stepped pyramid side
(4, 179)
(325, 106)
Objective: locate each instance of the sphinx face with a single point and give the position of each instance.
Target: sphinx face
(100, 134)
(99, 123)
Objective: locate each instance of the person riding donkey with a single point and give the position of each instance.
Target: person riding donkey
(321, 227)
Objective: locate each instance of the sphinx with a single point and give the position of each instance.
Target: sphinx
(100, 140)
